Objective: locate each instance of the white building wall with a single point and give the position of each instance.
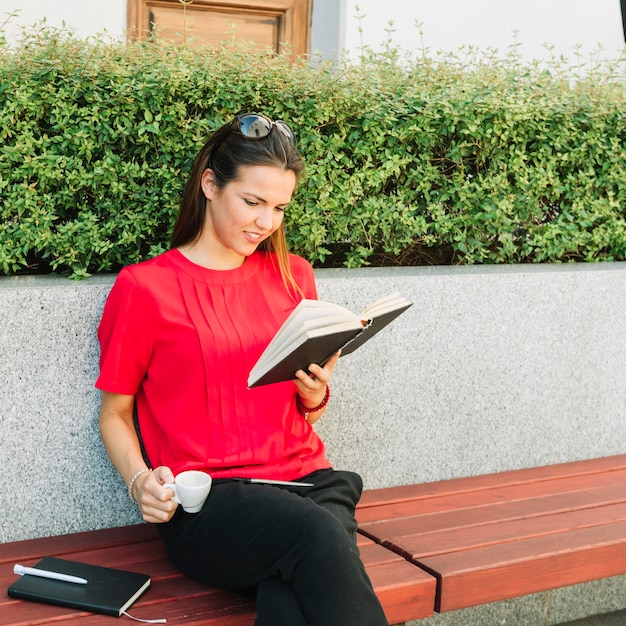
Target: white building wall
(447, 24)
(86, 17)
(450, 24)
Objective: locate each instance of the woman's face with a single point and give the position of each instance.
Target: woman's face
(246, 211)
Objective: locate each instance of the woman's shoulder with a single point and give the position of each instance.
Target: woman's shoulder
(303, 275)
(300, 269)
(299, 264)
(148, 271)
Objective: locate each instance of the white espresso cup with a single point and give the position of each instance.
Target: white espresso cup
(191, 489)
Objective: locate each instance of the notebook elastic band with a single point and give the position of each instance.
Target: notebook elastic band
(146, 621)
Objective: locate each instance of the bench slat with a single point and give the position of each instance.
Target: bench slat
(493, 573)
(218, 609)
(418, 546)
(390, 495)
(423, 502)
(465, 519)
(66, 544)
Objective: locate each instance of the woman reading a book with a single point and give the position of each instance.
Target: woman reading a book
(179, 335)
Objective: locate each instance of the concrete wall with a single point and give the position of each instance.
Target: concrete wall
(493, 368)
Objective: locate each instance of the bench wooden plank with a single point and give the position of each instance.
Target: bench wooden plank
(390, 495)
(428, 534)
(218, 609)
(482, 575)
(406, 591)
(422, 501)
(407, 524)
(417, 546)
(66, 544)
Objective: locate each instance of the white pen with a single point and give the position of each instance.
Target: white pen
(269, 481)
(43, 573)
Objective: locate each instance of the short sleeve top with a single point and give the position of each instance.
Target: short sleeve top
(182, 339)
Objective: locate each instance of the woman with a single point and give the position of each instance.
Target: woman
(179, 335)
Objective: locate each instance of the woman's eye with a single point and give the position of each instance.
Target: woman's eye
(250, 202)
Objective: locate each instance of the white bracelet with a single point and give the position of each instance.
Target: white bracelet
(133, 480)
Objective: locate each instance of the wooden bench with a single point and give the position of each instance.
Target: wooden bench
(499, 536)
(406, 591)
(430, 547)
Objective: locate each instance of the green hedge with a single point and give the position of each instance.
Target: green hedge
(408, 161)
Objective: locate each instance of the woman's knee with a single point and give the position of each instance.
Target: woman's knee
(323, 543)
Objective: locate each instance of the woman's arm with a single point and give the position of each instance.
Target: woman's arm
(122, 445)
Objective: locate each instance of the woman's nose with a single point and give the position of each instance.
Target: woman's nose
(264, 218)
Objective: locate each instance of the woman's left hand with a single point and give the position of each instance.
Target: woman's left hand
(312, 384)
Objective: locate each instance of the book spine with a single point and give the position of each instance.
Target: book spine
(20, 594)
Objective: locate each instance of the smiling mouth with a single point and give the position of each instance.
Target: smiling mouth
(254, 236)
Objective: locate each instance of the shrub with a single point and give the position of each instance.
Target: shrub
(432, 160)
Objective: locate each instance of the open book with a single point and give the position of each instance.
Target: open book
(315, 330)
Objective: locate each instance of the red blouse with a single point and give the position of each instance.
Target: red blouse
(182, 339)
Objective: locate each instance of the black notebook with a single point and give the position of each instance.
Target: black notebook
(315, 330)
(109, 591)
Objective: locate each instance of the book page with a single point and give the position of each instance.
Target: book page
(384, 305)
(309, 314)
(271, 358)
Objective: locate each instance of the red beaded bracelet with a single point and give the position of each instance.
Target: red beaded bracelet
(304, 410)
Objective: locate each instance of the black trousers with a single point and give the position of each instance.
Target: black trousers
(295, 545)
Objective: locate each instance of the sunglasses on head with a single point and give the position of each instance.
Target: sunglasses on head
(255, 126)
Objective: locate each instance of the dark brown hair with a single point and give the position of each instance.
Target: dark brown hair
(226, 152)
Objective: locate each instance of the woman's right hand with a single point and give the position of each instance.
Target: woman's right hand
(155, 500)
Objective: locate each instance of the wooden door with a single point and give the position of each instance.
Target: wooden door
(278, 24)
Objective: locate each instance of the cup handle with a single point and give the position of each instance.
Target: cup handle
(172, 486)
